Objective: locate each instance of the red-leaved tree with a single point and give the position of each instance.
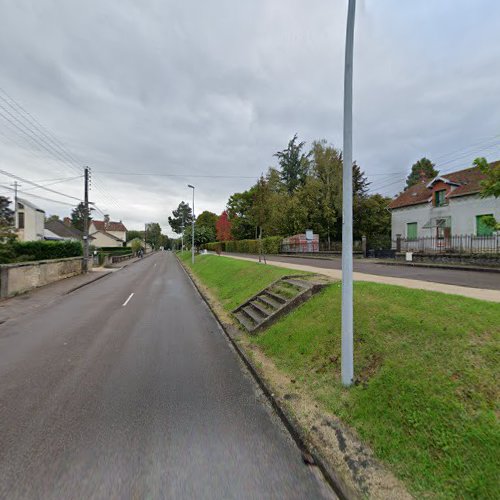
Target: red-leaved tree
(223, 227)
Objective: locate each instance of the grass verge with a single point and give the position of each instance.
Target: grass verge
(426, 397)
(233, 281)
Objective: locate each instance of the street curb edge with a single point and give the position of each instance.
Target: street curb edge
(330, 476)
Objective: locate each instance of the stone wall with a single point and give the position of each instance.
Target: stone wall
(478, 259)
(24, 276)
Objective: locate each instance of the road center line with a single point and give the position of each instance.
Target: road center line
(129, 297)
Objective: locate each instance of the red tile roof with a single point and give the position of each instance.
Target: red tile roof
(100, 225)
(469, 181)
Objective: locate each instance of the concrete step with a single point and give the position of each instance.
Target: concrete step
(253, 314)
(303, 285)
(262, 310)
(243, 319)
(269, 301)
(276, 297)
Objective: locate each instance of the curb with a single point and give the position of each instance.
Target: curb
(441, 266)
(103, 275)
(331, 477)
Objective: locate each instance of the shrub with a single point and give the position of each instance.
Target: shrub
(113, 249)
(46, 250)
(270, 245)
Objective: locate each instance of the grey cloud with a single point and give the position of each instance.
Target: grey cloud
(217, 87)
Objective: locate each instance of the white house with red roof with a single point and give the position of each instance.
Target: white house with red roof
(107, 233)
(444, 206)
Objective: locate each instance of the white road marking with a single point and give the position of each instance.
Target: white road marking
(154, 265)
(129, 297)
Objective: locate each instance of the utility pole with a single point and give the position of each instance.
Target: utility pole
(145, 241)
(16, 219)
(192, 228)
(86, 221)
(182, 233)
(347, 361)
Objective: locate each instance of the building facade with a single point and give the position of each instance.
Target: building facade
(30, 221)
(106, 233)
(443, 207)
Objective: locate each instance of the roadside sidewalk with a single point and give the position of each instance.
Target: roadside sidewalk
(475, 293)
(39, 297)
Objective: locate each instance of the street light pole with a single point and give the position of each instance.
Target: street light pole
(347, 361)
(192, 228)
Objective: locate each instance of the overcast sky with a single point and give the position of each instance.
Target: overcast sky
(216, 87)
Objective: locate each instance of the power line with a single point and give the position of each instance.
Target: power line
(8, 174)
(378, 186)
(37, 196)
(57, 181)
(51, 142)
(181, 175)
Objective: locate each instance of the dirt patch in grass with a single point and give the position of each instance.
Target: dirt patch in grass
(342, 449)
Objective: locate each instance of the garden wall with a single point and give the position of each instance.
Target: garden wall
(24, 276)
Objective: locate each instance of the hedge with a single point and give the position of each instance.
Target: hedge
(22, 251)
(270, 245)
(113, 249)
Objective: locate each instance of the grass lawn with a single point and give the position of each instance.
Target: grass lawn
(425, 399)
(233, 281)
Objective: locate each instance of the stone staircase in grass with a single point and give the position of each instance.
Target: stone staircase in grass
(279, 298)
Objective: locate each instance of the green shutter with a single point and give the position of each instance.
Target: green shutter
(482, 229)
(411, 231)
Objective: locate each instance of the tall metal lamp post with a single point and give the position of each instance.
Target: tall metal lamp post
(347, 362)
(192, 228)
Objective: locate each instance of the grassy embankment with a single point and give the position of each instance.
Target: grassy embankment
(426, 398)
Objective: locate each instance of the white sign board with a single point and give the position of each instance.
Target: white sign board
(309, 234)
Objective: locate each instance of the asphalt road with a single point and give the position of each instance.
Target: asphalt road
(459, 277)
(145, 400)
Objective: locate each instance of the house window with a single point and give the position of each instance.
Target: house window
(483, 229)
(440, 198)
(411, 231)
(20, 220)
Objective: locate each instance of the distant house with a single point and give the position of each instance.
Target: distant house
(444, 206)
(30, 221)
(59, 230)
(107, 233)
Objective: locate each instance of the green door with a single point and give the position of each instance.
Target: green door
(482, 229)
(411, 231)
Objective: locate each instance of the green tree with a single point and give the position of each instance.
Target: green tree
(52, 218)
(202, 235)
(375, 221)
(294, 165)
(207, 219)
(6, 213)
(7, 233)
(491, 185)
(183, 214)
(239, 210)
(134, 234)
(153, 234)
(78, 214)
(136, 244)
(422, 169)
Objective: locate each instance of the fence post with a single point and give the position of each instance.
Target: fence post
(363, 246)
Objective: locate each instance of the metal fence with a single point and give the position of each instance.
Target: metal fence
(315, 247)
(463, 243)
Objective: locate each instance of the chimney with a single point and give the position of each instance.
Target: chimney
(106, 221)
(67, 221)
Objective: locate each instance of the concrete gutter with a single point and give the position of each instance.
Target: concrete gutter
(102, 274)
(311, 456)
(454, 267)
